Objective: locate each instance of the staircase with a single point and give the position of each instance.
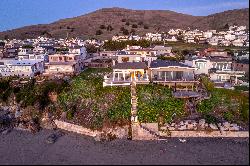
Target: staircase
(133, 103)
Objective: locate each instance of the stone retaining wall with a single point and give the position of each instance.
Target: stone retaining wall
(76, 128)
(207, 134)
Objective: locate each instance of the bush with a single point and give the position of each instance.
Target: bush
(102, 27)
(134, 26)
(140, 23)
(109, 28)
(125, 32)
(145, 27)
(124, 20)
(99, 32)
(127, 23)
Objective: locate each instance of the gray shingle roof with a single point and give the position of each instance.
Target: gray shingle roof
(166, 63)
(130, 65)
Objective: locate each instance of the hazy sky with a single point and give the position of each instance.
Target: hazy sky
(18, 13)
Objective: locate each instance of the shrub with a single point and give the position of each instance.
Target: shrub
(109, 28)
(125, 32)
(134, 26)
(127, 23)
(102, 27)
(140, 23)
(124, 20)
(99, 32)
(145, 27)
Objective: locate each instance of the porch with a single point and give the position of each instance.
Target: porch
(125, 77)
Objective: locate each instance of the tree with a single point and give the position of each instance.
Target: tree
(90, 48)
(132, 31)
(124, 20)
(122, 29)
(134, 26)
(109, 28)
(140, 23)
(127, 23)
(102, 26)
(145, 27)
(125, 32)
(99, 32)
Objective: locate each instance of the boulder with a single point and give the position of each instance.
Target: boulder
(213, 126)
(226, 124)
(202, 122)
(182, 128)
(171, 128)
(172, 124)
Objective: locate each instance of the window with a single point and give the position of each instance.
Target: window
(125, 59)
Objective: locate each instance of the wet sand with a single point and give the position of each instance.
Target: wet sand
(20, 147)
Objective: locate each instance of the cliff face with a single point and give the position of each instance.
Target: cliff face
(144, 21)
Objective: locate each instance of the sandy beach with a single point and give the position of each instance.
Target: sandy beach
(20, 147)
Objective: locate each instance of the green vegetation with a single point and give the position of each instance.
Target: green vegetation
(242, 88)
(102, 26)
(155, 101)
(90, 104)
(145, 27)
(226, 104)
(5, 89)
(134, 26)
(99, 32)
(110, 28)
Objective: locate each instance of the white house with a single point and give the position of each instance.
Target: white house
(24, 68)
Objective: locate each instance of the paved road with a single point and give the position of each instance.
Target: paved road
(20, 147)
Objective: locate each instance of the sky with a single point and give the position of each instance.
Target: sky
(19, 13)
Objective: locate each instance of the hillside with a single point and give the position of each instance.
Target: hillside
(153, 20)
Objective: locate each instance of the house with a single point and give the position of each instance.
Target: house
(226, 76)
(78, 50)
(63, 64)
(171, 38)
(124, 56)
(215, 53)
(172, 74)
(238, 42)
(25, 51)
(202, 64)
(107, 53)
(24, 68)
(241, 65)
(161, 50)
(99, 63)
(125, 73)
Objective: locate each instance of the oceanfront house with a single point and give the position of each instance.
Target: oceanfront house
(24, 68)
(63, 64)
(226, 76)
(125, 73)
(176, 75)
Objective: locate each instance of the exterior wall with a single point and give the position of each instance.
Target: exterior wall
(241, 67)
(131, 58)
(59, 69)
